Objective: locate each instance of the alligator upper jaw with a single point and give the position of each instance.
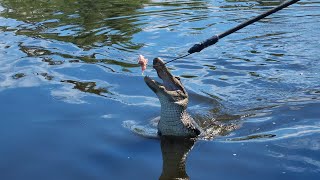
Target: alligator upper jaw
(170, 83)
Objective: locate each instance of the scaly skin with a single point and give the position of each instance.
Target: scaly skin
(174, 119)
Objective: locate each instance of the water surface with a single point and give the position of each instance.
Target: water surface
(69, 81)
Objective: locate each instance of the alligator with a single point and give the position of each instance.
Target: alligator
(174, 119)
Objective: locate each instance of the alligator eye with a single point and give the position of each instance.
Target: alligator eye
(177, 78)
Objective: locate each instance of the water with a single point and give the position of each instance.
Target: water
(69, 80)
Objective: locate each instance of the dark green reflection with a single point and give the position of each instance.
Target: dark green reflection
(260, 3)
(87, 23)
(256, 136)
(89, 87)
(82, 22)
(18, 76)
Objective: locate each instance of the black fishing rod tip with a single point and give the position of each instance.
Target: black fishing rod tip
(196, 48)
(200, 46)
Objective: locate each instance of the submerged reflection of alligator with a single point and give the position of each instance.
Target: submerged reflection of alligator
(174, 154)
(174, 119)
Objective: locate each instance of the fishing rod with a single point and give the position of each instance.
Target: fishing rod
(214, 39)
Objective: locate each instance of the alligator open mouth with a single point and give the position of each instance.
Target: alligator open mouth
(170, 82)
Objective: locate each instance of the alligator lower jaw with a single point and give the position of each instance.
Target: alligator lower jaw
(155, 86)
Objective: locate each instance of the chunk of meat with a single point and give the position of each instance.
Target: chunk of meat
(143, 62)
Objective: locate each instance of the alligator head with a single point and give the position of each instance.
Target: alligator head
(174, 120)
(171, 91)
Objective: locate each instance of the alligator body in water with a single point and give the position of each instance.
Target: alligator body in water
(174, 119)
